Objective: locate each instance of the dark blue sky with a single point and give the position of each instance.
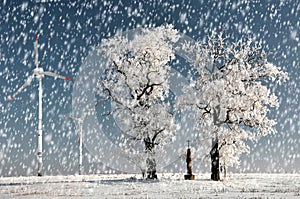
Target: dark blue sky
(70, 30)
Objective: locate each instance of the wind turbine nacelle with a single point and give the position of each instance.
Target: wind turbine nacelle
(39, 73)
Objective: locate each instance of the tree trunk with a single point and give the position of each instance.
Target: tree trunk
(150, 162)
(151, 168)
(215, 165)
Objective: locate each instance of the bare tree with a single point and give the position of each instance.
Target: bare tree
(231, 95)
(136, 80)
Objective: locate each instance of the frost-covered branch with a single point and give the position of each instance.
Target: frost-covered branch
(137, 81)
(231, 92)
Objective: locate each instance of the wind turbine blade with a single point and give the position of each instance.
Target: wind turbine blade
(57, 75)
(36, 51)
(29, 80)
(73, 118)
(84, 114)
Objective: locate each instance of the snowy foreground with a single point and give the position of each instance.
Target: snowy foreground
(168, 186)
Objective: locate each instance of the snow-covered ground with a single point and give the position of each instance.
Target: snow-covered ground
(168, 186)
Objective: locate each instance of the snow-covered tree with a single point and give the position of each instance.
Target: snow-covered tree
(136, 80)
(231, 95)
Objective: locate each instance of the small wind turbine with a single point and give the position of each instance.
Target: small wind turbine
(80, 121)
(38, 73)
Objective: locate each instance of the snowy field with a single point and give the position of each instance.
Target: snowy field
(168, 186)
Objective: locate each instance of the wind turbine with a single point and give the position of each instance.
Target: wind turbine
(38, 73)
(80, 121)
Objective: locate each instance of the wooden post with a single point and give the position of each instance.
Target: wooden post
(189, 175)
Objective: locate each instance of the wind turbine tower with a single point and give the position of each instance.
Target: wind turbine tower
(39, 74)
(80, 139)
(80, 121)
